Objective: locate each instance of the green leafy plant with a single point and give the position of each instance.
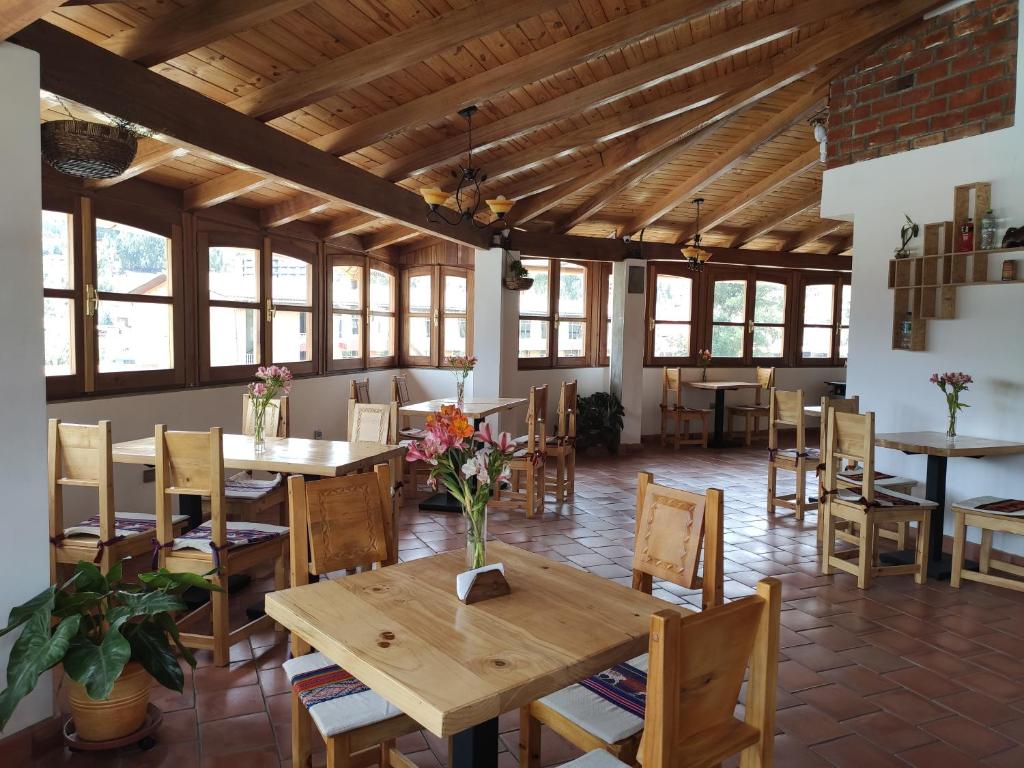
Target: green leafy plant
(95, 624)
(599, 421)
(517, 270)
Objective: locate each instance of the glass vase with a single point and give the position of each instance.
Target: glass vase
(259, 423)
(951, 428)
(704, 374)
(460, 393)
(476, 537)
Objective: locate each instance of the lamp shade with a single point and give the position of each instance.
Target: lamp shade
(500, 205)
(433, 196)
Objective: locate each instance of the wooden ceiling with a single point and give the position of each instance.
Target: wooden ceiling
(600, 117)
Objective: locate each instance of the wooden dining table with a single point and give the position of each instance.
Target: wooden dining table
(720, 388)
(455, 668)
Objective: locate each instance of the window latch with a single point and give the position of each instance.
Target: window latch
(650, 324)
(437, 318)
(92, 301)
(750, 326)
(271, 309)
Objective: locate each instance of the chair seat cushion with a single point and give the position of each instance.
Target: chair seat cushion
(125, 524)
(811, 454)
(596, 759)
(883, 479)
(239, 534)
(337, 702)
(885, 498)
(993, 505)
(610, 704)
(758, 409)
(412, 433)
(244, 487)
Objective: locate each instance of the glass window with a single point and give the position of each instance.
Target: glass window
(608, 315)
(844, 322)
(235, 314)
(454, 312)
(291, 296)
(346, 315)
(59, 336)
(421, 317)
(58, 267)
(571, 318)
(382, 315)
(769, 328)
(673, 307)
(234, 274)
(236, 340)
(565, 310)
(728, 318)
(818, 311)
(59, 302)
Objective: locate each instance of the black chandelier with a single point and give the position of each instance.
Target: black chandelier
(694, 254)
(467, 194)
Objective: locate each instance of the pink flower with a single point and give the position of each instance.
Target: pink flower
(258, 390)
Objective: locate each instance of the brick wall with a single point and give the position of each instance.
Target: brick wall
(941, 79)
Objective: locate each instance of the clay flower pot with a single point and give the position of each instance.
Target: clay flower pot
(121, 714)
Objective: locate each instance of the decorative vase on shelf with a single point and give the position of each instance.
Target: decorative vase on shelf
(476, 536)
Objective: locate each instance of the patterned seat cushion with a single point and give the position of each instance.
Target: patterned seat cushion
(993, 505)
(412, 433)
(239, 534)
(596, 759)
(885, 498)
(882, 479)
(336, 700)
(245, 487)
(125, 524)
(610, 704)
(811, 454)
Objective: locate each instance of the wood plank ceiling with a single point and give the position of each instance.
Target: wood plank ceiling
(600, 117)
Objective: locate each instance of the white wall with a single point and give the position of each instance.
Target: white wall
(987, 337)
(24, 555)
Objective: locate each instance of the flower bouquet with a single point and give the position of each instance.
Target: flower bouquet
(271, 382)
(470, 464)
(704, 360)
(461, 366)
(952, 384)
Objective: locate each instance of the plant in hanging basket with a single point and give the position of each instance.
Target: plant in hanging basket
(517, 278)
(88, 150)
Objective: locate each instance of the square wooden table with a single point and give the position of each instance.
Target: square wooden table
(720, 388)
(455, 668)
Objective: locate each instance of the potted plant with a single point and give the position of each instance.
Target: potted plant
(113, 639)
(599, 421)
(518, 278)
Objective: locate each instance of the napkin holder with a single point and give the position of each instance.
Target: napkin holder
(482, 584)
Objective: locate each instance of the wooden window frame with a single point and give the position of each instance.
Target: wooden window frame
(353, 363)
(602, 330)
(308, 253)
(443, 313)
(674, 269)
(837, 280)
(591, 335)
(431, 315)
(390, 361)
(69, 385)
(750, 275)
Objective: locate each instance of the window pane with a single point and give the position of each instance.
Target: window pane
(382, 291)
(132, 336)
(844, 342)
(234, 275)
(730, 303)
(420, 298)
(571, 339)
(57, 270)
(347, 337)
(817, 342)
(769, 303)
(419, 336)
(611, 293)
(818, 300)
(674, 299)
(844, 311)
(382, 335)
(234, 336)
(572, 291)
(130, 260)
(727, 341)
(291, 281)
(293, 332)
(454, 293)
(535, 300)
(347, 287)
(533, 338)
(768, 341)
(454, 336)
(58, 331)
(672, 340)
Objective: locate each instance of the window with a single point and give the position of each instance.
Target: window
(383, 315)
(670, 302)
(290, 306)
(748, 312)
(347, 292)
(535, 312)
(456, 334)
(232, 292)
(437, 304)
(825, 320)
(556, 307)
(62, 302)
(604, 303)
(421, 317)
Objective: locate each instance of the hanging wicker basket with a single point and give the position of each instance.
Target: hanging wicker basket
(519, 283)
(88, 150)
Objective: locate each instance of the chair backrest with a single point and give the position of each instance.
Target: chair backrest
(536, 419)
(696, 667)
(359, 390)
(275, 418)
(370, 422)
(841, 404)
(765, 381)
(672, 387)
(850, 436)
(189, 464)
(400, 390)
(672, 529)
(567, 409)
(79, 455)
(786, 408)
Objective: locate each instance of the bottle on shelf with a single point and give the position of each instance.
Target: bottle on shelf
(906, 331)
(966, 242)
(988, 231)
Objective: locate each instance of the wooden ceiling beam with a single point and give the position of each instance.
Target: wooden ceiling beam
(841, 245)
(78, 70)
(221, 189)
(345, 224)
(390, 54)
(151, 154)
(534, 66)
(574, 247)
(303, 204)
(730, 158)
(15, 15)
(389, 236)
(185, 29)
(765, 226)
(812, 234)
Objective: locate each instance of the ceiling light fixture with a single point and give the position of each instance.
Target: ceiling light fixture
(467, 193)
(819, 123)
(694, 254)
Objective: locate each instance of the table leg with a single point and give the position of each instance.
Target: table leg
(476, 747)
(718, 439)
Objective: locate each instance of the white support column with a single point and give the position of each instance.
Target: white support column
(495, 327)
(626, 370)
(24, 546)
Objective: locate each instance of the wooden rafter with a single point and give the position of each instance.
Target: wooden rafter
(841, 245)
(812, 234)
(345, 225)
(303, 204)
(388, 236)
(193, 26)
(18, 14)
(765, 226)
(151, 154)
(220, 189)
(85, 73)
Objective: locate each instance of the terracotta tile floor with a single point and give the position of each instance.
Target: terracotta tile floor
(898, 675)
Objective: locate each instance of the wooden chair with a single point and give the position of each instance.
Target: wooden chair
(561, 446)
(192, 464)
(242, 504)
(851, 436)
(992, 514)
(752, 414)
(786, 409)
(79, 455)
(358, 392)
(370, 422)
(697, 665)
(340, 524)
(400, 397)
(527, 463)
(414, 474)
(672, 529)
(672, 408)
